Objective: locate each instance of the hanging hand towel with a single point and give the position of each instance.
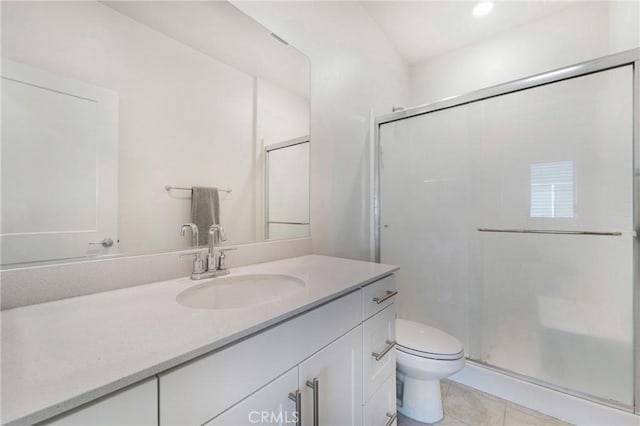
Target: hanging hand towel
(205, 207)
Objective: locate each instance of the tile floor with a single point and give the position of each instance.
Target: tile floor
(465, 406)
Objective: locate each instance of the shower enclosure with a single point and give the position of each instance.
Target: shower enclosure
(511, 214)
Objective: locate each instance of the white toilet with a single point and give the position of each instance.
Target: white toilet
(424, 355)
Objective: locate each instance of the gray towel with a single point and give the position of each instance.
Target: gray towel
(205, 207)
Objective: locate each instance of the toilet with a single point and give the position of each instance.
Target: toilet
(424, 355)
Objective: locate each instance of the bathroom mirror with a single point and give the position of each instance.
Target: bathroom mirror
(113, 111)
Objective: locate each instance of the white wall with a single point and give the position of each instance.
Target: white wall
(578, 33)
(353, 68)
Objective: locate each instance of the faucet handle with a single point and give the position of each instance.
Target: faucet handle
(219, 229)
(222, 259)
(198, 263)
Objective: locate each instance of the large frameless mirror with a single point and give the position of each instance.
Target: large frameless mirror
(114, 114)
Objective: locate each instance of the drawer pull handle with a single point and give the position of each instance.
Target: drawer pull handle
(316, 399)
(392, 418)
(379, 356)
(389, 295)
(297, 398)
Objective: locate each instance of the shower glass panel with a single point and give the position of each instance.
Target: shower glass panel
(426, 214)
(459, 186)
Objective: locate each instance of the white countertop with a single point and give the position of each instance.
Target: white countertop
(59, 355)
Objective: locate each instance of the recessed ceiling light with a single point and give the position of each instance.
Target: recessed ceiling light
(482, 8)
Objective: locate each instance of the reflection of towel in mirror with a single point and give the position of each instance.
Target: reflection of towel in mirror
(205, 207)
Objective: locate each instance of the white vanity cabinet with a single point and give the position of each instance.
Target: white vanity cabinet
(201, 390)
(378, 354)
(133, 406)
(378, 295)
(331, 383)
(341, 355)
(381, 408)
(326, 352)
(327, 387)
(274, 404)
(329, 348)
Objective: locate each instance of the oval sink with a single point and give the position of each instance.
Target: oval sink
(240, 291)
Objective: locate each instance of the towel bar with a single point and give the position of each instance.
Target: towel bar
(169, 188)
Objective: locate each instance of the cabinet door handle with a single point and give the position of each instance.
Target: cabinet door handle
(389, 295)
(392, 418)
(297, 398)
(379, 356)
(315, 385)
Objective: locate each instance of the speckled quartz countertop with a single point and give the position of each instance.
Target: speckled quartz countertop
(59, 355)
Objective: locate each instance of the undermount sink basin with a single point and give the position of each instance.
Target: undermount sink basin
(240, 291)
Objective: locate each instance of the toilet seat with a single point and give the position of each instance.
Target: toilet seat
(426, 342)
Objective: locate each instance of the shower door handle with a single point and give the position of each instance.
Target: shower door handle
(549, 231)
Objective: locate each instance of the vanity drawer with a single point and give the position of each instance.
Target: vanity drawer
(200, 390)
(379, 334)
(381, 409)
(378, 295)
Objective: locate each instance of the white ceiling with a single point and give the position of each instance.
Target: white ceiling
(423, 29)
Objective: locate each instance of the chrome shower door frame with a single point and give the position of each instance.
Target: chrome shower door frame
(628, 57)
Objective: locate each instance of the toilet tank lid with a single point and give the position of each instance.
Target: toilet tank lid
(423, 338)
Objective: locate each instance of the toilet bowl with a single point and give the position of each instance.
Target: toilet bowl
(424, 355)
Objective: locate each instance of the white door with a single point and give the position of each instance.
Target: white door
(274, 404)
(332, 378)
(59, 166)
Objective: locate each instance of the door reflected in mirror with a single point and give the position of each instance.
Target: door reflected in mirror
(287, 189)
(105, 104)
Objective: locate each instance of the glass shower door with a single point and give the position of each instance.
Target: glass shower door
(558, 306)
(484, 207)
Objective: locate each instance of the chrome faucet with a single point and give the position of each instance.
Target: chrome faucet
(213, 255)
(215, 264)
(194, 232)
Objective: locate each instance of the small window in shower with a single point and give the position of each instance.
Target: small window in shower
(552, 189)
